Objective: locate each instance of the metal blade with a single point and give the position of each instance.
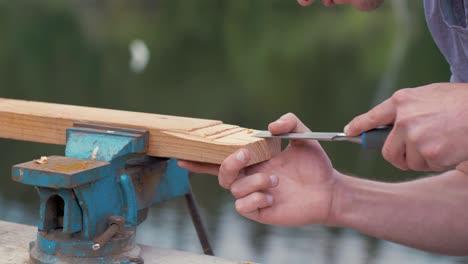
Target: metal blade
(322, 136)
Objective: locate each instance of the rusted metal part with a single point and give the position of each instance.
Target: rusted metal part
(146, 173)
(106, 236)
(57, 243)
(130, 256)
(60, 172)
(13, 241)
(119, 221)
(116, 226)
(198, 224)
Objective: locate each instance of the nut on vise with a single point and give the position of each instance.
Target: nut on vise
(92, 200)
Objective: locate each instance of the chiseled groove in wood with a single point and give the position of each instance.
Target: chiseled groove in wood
(210, 127)
(178, 143)
(202, 150)
(244, 136)
(213, 130)
(236, 140)
(228, 133)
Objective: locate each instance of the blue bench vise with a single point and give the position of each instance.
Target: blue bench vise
(93, 198)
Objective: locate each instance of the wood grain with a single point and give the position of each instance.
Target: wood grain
(192, 139)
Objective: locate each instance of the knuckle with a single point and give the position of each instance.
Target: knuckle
(223, 183)
(433, 154)
(239, 206)
(290, 115)
(257, 198)
(434, 167)
(412, 138)
(404, 123)
(372, 117)
(390, 155)
(236, 191)
(355, 124)
(226, 167)
(228, 172)
(262, 181)
(387, 153)
(418, 166)
(400, 96)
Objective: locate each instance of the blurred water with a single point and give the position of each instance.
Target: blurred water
(245, 62)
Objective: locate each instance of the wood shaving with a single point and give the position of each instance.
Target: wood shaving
(42, 160)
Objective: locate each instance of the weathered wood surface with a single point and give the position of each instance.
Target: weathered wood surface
(170, 136)
(15, 238)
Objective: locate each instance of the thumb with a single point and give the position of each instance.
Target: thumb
(305, 2)
(286, 124)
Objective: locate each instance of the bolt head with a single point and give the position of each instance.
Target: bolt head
(96, 247)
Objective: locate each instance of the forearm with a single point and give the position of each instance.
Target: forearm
(429, 214)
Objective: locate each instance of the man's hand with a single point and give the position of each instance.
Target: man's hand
(299, 186)
(305, 2)
(364, 5)
(294, 188)
(430, 126)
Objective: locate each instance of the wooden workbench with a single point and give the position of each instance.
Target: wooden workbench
(15, 238)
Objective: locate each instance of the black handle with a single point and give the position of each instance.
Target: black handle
(375, 138)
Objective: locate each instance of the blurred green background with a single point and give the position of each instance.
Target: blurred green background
(244, 62)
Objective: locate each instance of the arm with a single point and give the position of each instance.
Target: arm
(299, 186)
(430, 214)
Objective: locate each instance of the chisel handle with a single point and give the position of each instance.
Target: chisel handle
(375, 138)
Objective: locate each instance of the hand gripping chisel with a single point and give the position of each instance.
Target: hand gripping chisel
(372, 139)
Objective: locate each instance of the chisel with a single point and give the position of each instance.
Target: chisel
(372, 139)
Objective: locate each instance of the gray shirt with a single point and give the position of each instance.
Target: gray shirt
(447, 20)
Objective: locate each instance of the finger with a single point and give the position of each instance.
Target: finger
(286, 124)
(394, 150)
(382, 114)
(253, 183)
(251, 203)
(438, 167)
(232, 166)
(435, 156)
(414, 159)
(305, 2)
(199, 167)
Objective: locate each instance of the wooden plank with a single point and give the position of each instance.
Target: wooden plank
(15, 238)
(170, 136)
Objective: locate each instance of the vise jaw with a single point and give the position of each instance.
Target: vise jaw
(92, 200)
